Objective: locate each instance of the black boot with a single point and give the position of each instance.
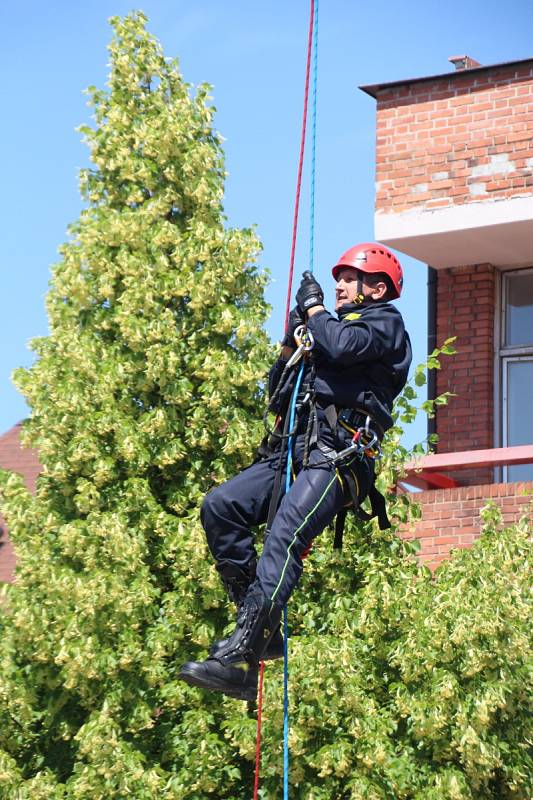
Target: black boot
(234, 671)
(237, 581)
(274, 649)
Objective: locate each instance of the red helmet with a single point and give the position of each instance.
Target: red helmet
(372, 257)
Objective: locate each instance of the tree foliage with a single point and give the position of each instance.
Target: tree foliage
(146, 393)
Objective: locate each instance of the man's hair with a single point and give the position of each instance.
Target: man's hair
(373, 278)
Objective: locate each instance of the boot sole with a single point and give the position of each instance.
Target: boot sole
(217, 686)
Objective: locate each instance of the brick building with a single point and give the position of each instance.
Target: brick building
(454, 189)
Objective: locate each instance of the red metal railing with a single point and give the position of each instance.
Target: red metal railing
(428, 472)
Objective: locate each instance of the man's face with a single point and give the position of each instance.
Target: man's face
(346, 288)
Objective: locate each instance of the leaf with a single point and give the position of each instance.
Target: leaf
(420, 376)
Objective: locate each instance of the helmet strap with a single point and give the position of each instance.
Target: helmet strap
(359, 296)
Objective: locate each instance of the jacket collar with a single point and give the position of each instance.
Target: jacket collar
(358, 308)
(350, 308)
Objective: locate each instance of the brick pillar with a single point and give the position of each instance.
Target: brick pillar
(466, 309)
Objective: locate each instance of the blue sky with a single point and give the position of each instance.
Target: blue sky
(253, 53)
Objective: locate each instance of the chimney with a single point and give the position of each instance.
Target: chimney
(463, 62)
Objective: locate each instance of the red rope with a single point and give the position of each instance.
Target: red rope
(300, 165)
(258, 735)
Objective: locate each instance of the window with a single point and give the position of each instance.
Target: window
(516, 366)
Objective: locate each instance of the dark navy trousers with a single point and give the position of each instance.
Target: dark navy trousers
(230, 511)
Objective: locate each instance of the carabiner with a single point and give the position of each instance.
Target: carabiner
(304, 338)
(298, 353)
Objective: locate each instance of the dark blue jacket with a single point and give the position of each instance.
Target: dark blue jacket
(362, 359)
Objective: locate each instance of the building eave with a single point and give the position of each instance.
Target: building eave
(494, 232)
(373, 89)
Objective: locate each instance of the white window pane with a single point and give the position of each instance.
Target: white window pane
(519, 311)
(520, 413)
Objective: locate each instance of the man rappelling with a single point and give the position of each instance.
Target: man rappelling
(357, 366)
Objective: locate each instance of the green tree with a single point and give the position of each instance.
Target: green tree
(407, 686)
(146, 393)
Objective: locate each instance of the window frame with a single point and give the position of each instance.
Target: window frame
(506, 354)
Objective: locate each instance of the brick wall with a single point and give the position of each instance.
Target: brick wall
(455, 139)
(450, 517)
(25, 462)
(465, 309)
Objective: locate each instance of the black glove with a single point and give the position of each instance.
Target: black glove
(295, 320)
(309, 294)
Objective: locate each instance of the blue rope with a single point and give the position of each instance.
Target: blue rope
(292, 416)
(291, 424)
(313, 146)
(293, 409)
(285, 703)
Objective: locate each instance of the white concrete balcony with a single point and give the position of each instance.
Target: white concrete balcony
(498, 232)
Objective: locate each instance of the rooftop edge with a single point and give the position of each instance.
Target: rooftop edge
(372, 89)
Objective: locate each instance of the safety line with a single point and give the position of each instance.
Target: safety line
(291, 424)
(300, 164)
(285, 702)
(258, 734)
(288, 472)
(312, 41)
(313, 144)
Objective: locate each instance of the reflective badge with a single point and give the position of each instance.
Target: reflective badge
(353, 315)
